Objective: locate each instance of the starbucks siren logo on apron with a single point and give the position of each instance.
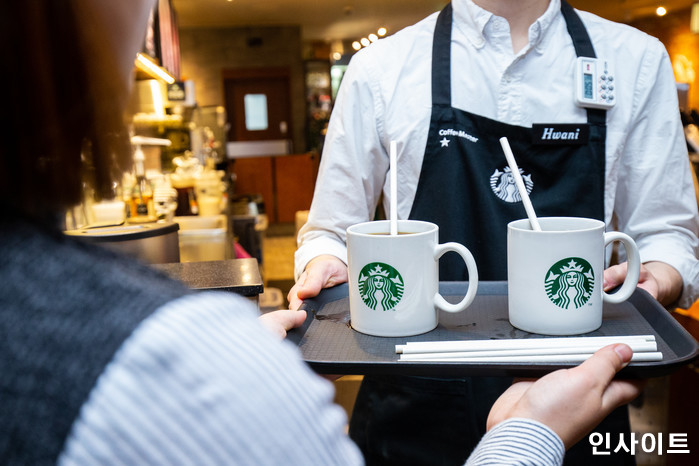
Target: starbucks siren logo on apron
(380, 286)
(503, 184)
(569, 283)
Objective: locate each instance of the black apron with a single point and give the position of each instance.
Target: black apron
(466, 188)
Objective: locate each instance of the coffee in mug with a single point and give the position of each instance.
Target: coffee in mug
(555, 275)
(394, 279)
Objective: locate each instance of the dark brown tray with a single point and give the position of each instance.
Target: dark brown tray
(328, 343)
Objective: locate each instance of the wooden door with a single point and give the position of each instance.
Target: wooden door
(258, 104)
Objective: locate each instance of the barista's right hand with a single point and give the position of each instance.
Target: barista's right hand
(322, 272)
(571, 401)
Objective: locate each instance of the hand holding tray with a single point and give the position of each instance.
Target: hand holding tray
(329, 344)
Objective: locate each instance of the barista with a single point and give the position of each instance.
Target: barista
(498, 68)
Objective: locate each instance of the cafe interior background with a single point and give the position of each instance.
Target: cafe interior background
(230, 104)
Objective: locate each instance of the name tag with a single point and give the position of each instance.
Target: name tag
(560, 133)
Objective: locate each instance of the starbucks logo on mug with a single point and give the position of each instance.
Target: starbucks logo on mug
(380, 286)
(569, 283)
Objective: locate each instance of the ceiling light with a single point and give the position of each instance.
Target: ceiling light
(694, 19)
(660, 11)
(366, 41)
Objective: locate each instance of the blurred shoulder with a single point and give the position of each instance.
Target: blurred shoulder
(619, 38)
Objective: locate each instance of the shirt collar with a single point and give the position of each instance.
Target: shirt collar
(472, 19)
(538, 30)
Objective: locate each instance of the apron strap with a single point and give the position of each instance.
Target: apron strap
(583, 48)
(441, 55)
(577, 31)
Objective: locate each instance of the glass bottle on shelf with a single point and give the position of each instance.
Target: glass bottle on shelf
(141, 199)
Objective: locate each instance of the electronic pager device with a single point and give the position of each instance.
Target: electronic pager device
(594, 83)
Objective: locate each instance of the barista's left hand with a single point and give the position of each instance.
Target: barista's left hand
(659, 279)
(278, 322)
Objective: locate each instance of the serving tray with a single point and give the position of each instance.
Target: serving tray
(330, 345)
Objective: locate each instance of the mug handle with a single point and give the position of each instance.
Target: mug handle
(470, 262)
(633, 269)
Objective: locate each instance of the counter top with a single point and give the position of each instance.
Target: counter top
(240, 276)
(267, 148)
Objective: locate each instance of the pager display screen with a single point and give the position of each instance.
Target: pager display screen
(587, 86)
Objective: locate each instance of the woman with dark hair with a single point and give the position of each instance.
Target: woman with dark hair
(64, 104)
(105, 361)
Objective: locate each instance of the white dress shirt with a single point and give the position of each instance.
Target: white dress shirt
(201, 382)
(386, 95)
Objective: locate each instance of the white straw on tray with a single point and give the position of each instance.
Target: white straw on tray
(519, 343)
(545, 358)
(648, 346)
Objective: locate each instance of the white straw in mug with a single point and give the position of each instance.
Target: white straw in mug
(520, 184)
(394, 188)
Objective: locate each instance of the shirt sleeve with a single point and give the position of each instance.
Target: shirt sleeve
(655, 202)
(518, 442)
(202, 382)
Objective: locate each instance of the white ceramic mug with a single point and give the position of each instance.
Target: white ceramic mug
(394, 280)
(555, 275)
